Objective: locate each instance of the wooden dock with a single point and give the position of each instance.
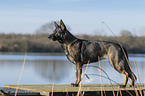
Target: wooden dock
(84, 90)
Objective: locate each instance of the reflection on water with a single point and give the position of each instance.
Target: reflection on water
(52, 70)
(48, 69)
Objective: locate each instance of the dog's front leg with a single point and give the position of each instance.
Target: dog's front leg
(78, 69)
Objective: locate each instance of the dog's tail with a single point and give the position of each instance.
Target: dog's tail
(133, 77)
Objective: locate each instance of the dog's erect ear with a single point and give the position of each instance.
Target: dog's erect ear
(56, 25)
(62, 25)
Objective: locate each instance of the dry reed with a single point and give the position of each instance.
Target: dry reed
(20, 74)
(100, 76)
(138, 78)
(52, 89)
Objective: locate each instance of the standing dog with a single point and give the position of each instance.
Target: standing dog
(80, 52)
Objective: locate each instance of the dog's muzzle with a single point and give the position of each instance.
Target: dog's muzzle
(52, 37)
(49, 37)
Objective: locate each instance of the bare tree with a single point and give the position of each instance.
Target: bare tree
(48, 28)
(126, 33)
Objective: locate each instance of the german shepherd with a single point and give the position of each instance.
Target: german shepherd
(81, 52)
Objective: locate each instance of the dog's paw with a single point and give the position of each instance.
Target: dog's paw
(74, 85)
(122, 86)
(131, 85)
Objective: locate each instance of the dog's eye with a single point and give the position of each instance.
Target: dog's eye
(57, 33)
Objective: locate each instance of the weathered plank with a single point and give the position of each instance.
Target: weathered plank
(84, 88)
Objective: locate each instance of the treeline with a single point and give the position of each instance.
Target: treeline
(40, 43)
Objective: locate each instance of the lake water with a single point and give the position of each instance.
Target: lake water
(55, 68)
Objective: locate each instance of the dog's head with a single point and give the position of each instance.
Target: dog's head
(59, 34)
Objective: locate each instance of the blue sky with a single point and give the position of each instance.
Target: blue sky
(83, 16)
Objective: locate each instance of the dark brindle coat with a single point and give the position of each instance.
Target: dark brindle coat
(80, 52)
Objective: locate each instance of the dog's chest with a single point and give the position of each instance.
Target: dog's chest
(72, 53)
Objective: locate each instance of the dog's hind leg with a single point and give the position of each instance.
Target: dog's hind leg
(133, 79)
(120, 66)
(119, 63)
(125, 75)
(78, 69)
